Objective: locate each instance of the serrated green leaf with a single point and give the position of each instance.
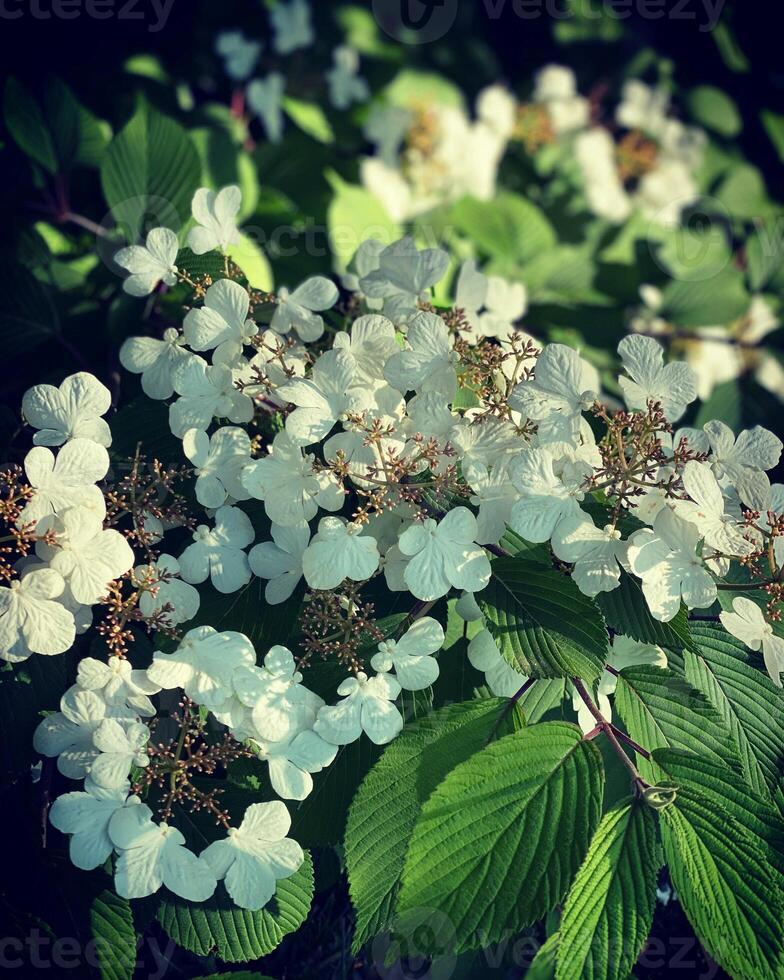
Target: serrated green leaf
(543, 625)
(26, 123)
(725, 886)
(747, 700)
(114, 936)
(150, 170)
(718, 299)
(500, 839)
(509, 227)
(660, 710)
(218, 927)
(609, 909)
(626, 611)
(385, 810)
(28, 316)
(543, 964)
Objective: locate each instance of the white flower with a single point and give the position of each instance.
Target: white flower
(410, 656)
(207, 392)
(706, 511)
(87, 556)
(673, 386)
(500, 676)
(403, 274)
(152, 855)
(287, 483)
(31, 621)
(280, 560)
(595, 553)
(71, 411)
(665, 559)
(748, 624)
(321, 399)
(345, 83)
(487, 440)
(218, 553)
(221, 323)
(338, 551)
(68, 733)
(86, 817)
(118, 684)
(238, 53)
(642, 107)
(738, 460)
(563, 387)
(151, 263)
(281, 706)
(216, 219)
(67, 481)
(156, 361)
(255, 855)
(120, 748)
(203, 665)
(371, 343)
(491, 304)
(218, 461)
(292, 761)
(291, 23)
(265, 98)
(595, 153)
(556, 88)
(182, 600)
(366, 706)
(444, 555)
(495, 495)
(299, 310)
(429, 364)
(547, 497)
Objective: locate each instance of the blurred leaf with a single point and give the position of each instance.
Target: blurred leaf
(253, 262)
(743, 193)
(411, 88)
(310, 118)
(715, 110)
(355, 215)
(28, 315)
(509, 227)
(717, 300)
(774, 127)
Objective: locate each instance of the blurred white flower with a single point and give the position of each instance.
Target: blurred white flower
(265, 98)
(345, 83)
(291, 25)
(238, 53)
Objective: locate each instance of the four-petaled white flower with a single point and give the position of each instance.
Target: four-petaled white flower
(444, 555)
(339, 551)
(345, 83)
(221, 323)
(151, 855)
(665, 558)
(218, 461)
(203, 665)
(429, 364)
(85, 816)
(68, 733)
(218, 553)
(206, 391)
(495, 495)
(66, 481)
(299, 310)
(366, 705)
(151, 263)
(281, 705)
(165, 596)
(118, 684)
(500, 676)
(491, 304)
(739, 461)
(31, 620)
(280, 560)
(321, 399)
(547, 496)
(291, 762)
(72, 411)
(594, 552)
(256, 855)
(288, 484)
(291, 25)
(265, 98)
(238, 53)
(87, 556)
(673, 386)
(748, 624)
(216, 219)
(156, 361)
(371, 343)
(706, 510)
(120, 747)
(402, 276)
(411, 656)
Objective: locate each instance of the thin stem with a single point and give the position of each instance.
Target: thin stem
(508, 707)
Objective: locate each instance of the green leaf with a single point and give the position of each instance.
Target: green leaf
(247, 611)
(626, 611)
(218, 927)
(310, 118)
(774, 127)
(716, 300)
(725, 886)
(508, 227)
(751, 707)
(28, 316)
(150, 170)
(114, 935)
(542, 623)
(26, 123)
(724, 403)
(544, 963)
(660, 709)
(743, 193)
(501, 838)
(714, 109)
(609, 909)
(145, 421)
(389, 801)
(355, 215)
(253, 263)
